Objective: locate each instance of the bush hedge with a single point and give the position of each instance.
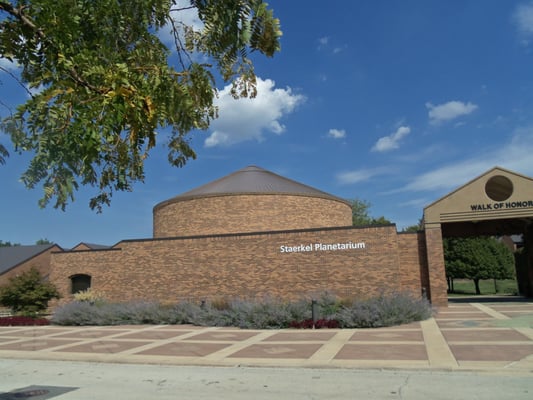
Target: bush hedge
(383, 310)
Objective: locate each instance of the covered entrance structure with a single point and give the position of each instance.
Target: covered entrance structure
(499, 202)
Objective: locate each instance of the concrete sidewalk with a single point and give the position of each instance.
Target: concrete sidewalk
(489, 337)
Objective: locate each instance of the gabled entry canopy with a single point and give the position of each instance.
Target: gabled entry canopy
(499, 202)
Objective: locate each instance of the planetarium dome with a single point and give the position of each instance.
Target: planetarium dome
(249, 200)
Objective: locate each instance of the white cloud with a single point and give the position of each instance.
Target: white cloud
(337, 133)
(450, 176)
(515, 156)
(448, 111)
(182, 15)
(391, 142)
(361, 175)
(523, 19)
(416, 203)
(247, 119)
(323, 41)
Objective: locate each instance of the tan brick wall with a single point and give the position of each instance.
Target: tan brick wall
(244, 266)
(527, 283)
(413, 263)
(248, 213)
(437, 273)
(41, 262)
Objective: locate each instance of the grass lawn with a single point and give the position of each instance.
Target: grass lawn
(465, 286)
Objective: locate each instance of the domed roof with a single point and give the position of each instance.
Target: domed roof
(252, 180)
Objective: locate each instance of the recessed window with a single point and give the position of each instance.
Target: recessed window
(79, 283)
(499, 188)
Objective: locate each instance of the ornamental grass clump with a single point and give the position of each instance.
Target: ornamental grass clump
(384, 310)
(103, 313)
(267, 313)
(90, 296)
(77, 313)
(186, 312)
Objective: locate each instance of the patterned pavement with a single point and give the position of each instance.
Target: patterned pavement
(491, 336)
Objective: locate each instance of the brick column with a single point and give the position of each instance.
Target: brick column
(437, 291)
(528, 244)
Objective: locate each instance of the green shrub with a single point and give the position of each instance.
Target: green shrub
(28, 294)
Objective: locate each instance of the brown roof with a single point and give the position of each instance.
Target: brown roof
(252, 180)
(11, 256)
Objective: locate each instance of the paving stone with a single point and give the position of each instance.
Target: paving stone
(382, 352)
(478, 352)
(103, 346)
(281, 350)
(483, 335)
(36, 344)
(182, 349)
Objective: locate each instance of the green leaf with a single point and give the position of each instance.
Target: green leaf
(107, 85)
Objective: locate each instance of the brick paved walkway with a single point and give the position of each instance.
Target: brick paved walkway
(469, 336)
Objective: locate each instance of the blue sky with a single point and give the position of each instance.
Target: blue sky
(393, 102)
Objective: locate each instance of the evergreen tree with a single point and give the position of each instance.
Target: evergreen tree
(28, 293)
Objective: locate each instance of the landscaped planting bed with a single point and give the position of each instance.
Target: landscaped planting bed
(330, 312)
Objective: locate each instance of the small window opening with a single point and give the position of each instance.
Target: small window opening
(79, 283)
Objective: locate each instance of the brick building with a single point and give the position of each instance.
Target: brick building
(249, 234)
(15, 260)
(254, 233)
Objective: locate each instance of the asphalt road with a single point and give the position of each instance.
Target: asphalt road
(69, 380)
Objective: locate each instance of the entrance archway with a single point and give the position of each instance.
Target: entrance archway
(499, 202)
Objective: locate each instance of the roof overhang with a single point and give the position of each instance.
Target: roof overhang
(497, 195)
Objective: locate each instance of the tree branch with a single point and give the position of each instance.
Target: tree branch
(19, 14)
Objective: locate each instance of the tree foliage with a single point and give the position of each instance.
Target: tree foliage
(477, 258)
(28, 293)
(101, 82)
(361, 214)
(8, 244)
(415, 228)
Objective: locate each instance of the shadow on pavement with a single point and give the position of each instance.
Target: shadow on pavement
(489, 299)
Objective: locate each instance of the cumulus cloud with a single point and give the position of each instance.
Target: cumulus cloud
(182, 14)
(391, 142)
(337, 133)
(448, 111)
(515, 155)
(523, 20)
(247, 119)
